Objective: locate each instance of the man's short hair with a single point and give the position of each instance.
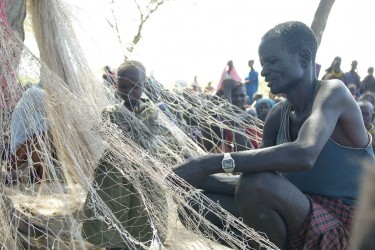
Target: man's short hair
(296, 35)
(239, 85)
(131, 66)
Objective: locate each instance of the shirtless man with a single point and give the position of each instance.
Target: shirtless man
(300, 187)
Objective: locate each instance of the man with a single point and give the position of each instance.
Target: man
(352, 76)
(368, 84)
(300, 187)
(335, 72)
(251, 82)
(367, 110)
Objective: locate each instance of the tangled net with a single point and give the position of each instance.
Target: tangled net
(72, 180)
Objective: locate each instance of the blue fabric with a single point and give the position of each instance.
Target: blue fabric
(252, 87)
(29, 117)
(269, 101)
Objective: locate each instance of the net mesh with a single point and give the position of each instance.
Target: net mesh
(72, 178)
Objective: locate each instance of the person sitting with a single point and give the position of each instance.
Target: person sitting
(263, 107)
(354, 90)
(301, 186)
(367, 110)
(368, 96)
(112, 186)
(29, 138)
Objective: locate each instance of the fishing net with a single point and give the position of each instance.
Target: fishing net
(72, 178)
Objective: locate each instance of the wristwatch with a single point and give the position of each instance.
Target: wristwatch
(228, 163)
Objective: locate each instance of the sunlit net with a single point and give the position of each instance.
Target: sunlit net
(72, 179)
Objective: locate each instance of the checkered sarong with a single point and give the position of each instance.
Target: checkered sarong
(327, 227)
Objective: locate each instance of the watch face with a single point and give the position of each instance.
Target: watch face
(228, 163)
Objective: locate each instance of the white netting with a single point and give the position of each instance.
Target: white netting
(74, 177)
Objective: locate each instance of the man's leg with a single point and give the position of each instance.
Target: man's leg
(219, 189)
(269, 203)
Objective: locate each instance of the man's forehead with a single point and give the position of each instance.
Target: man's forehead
(274, 42)
(131, 77)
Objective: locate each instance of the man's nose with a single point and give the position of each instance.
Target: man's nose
(265, 71)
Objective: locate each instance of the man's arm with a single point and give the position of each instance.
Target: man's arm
(298, 155)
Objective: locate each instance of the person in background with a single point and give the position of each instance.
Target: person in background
(251, 82)
(229, 79)
(209, 89)
(354, 90)
(335, 72)
(352, 76)
(368, 83)
(367, 110)
(256, 97)
(301, 186)
(368, 96)
(263, 107)
(195, 85)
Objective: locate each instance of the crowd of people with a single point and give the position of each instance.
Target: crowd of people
(298, 170)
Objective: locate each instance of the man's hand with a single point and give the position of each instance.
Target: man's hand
(193, 171)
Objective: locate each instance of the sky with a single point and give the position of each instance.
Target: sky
(187, 38)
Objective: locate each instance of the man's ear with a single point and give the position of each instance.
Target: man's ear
(305, 57)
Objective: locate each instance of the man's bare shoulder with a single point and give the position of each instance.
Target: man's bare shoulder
(333, 87)
(333, 92)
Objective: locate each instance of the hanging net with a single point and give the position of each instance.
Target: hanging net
(73, 178)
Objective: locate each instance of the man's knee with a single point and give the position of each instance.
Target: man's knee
(255, 185)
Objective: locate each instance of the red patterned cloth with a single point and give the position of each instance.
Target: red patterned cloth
(327, 227)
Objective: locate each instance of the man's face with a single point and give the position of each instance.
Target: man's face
(262, 110)
(130, 87)
(280, 67)
(239, 97)
(337, 65)
(354, 65)
(367, 112)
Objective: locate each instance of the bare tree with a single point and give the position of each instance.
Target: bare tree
(145, 11)
(321, 17)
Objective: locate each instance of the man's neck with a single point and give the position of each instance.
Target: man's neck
(301, 97)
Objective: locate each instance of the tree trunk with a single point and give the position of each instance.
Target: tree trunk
(320, 19)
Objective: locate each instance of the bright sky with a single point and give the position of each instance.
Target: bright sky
(184, 38)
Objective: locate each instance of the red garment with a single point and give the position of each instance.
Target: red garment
(255, 136)
(327, 227)
(232, 75)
